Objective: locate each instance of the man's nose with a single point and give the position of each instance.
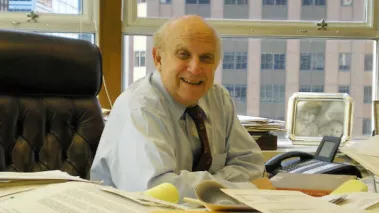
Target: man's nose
(194, 66)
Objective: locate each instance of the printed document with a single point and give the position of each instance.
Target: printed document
(78, 197)
(282, 201)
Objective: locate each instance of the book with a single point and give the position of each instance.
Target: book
(312, 184)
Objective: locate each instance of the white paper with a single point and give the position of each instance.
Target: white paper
(16, 189)
(142, 199)
(369, 146)
(368, 162)
(45, 175)
(247, 119)
(357, 200)
(78, 197)
(281, 201)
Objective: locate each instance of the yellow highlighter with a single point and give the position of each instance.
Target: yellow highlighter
(351, 186)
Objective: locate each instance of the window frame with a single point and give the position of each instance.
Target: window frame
(134, 25)
(48, 22)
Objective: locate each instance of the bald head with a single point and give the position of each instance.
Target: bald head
(191, 26)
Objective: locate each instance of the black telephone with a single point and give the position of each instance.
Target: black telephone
(320, 163)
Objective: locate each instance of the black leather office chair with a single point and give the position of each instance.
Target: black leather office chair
(50, 117)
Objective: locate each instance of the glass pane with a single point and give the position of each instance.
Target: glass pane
(84, 36)
(286, 66)
(305, 10)
(42, 6)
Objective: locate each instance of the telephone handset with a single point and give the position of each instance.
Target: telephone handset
(320, 163)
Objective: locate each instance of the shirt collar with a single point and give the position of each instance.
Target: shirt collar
(177, 108)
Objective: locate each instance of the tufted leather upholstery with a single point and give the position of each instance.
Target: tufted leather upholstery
(50, 117)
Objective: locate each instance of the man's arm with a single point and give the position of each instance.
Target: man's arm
(244, 161)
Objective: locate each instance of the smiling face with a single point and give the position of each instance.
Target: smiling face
(188, 59)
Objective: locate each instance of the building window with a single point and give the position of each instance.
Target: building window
(312, 61)
(228, 60)
(313, 2)
(197, 1)
(274, 2)
(273, 61)
(234, 60)
(165, 1)
(366, 130)
(272, 93)
(236, 2)
(141, 1)
(237, 91)
(346, 2)
(344, 89)
(241, 60)
(367, 96)
(344, 61)
(311, 88)
(266, 61)
(139, 58)
(368, 62)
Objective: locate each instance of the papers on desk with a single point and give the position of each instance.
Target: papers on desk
(356, 200)
(366, 153)
(278, 201)
(259, 124)
(71, 197)
(15, 182)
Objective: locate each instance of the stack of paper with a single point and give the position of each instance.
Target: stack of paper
(257, 126)
(57, 191)
(366, 153)
(14, 182)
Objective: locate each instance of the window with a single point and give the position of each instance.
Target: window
(141, 1)
(237, 91)
(344, 61)
(368, 62)
(63, 16)
(312, 61)
(272, 93)
(236, 1)
(346, 2)
(274, 2)
(197, 1)
(313, 2)
(43, 6)
(301, 60)
(241, 60)
(228, 60)
(266, 61)
(273, 61)
(165, 1)
(234, 60)
(367, 96)
(366, 130)
(311, 88)
(139, 58)
(344, 89)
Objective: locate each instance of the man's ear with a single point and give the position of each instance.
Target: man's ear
(157, 58)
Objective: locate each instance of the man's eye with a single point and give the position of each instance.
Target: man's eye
(183, 54)
(207, 58)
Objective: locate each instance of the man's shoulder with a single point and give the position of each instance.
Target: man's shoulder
(140, 94)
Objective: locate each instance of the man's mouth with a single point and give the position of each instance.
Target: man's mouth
(191, 82)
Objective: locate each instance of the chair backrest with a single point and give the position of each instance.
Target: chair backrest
(50, 117)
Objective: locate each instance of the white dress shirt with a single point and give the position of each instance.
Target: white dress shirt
(149, 139)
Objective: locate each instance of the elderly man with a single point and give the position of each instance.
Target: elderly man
(175, 125)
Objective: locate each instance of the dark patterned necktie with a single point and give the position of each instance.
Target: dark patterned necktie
(203, 163)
